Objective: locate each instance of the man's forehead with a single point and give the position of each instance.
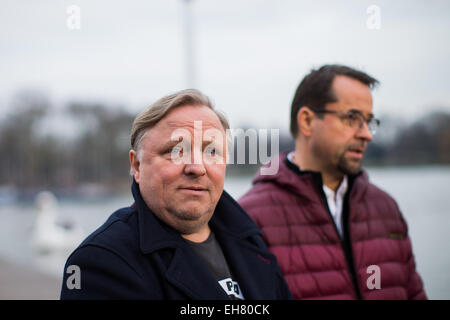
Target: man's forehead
(352, 94)
(344, 86)
(190, 117)
(193, 124)
(174, 130)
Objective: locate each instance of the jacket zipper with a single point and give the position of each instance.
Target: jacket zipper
(351, 269)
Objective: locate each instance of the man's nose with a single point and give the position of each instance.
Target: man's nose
(196, 166)
(364, 132)
(195, 169)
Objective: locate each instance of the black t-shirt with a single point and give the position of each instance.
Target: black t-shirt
(211, 253)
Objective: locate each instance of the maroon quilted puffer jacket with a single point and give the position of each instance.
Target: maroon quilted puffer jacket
(291, 210)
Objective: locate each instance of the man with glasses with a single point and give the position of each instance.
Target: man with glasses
(335, 235)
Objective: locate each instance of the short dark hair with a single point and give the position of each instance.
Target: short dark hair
(315, 89)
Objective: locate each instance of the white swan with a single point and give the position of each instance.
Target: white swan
(49, 237)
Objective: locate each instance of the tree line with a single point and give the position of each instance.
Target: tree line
(94, 149)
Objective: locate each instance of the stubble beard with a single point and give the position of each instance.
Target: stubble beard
(189, 220)
(339, 165)
(348, 167)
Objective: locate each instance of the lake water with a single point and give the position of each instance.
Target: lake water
(420, 192)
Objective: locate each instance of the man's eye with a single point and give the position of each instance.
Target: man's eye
(176, 150)
(211, 151)
(352, 116)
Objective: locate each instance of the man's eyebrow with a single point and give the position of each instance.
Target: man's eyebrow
(214, 143)
(371, 115)
(170, 144)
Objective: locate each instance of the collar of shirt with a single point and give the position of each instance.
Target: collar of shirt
(335, 200)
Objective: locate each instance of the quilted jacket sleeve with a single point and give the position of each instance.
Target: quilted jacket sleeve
(415, 288)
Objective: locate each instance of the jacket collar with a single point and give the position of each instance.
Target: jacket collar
(154, 234)
(304, 180)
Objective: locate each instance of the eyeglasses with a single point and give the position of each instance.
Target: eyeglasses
(354, 119)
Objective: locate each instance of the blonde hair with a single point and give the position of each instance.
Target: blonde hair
(158, 110)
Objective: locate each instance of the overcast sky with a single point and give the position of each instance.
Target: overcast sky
(249, 55)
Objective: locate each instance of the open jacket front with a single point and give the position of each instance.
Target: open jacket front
(134, 255)
(291, 209)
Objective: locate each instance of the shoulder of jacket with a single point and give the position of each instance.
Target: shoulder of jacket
(264, 194)
(376, 194)
(383, 205)
(119, 234)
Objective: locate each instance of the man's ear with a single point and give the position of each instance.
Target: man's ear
(134, 163)
(305, 118)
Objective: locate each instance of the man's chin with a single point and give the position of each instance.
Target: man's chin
(190, 223)
(350, 167)
(191, 214)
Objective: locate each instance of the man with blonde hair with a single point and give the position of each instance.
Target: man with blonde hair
(184, 237)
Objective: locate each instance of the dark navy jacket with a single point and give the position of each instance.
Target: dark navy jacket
(134, 255)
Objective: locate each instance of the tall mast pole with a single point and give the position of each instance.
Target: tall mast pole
(188, 44)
